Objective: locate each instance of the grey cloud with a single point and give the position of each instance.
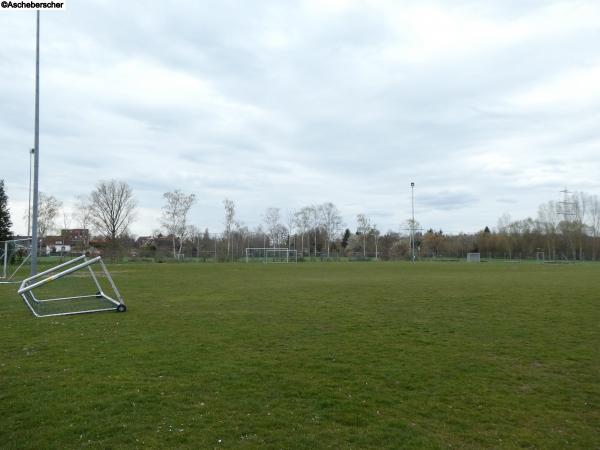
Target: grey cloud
(335, 119)
(447, 200)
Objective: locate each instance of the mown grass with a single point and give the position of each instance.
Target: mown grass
(339, 355)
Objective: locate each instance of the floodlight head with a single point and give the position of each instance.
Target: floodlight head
(412, 184)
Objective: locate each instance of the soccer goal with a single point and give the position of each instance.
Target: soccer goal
(78, 286)
(271, 255)
(474, 257)
(540, 257)
(14, 257)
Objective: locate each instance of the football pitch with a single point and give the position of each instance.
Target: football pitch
(312, 355)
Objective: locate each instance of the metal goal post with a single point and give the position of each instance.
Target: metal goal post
(474, 257)
(271, 255)
(58, 284)
(14, 255)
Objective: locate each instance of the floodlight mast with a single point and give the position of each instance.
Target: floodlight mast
(412, 224)
(31, 153)
(36, 156)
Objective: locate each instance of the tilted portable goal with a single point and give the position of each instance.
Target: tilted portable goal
(57, 284)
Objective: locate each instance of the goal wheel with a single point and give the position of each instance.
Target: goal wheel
(121, 308)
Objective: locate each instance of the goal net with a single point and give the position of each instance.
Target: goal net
(14, 260)
(81, 285)
(473, 257)
(540, 257)
(271, 255)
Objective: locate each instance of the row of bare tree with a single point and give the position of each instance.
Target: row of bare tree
(561, 230)
(307, 223)
(109, 210)
(566, 230)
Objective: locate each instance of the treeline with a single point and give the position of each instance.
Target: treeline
(566, 230)
(108, 210)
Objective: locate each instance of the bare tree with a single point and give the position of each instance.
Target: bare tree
(376, 234)
(48, 211)
(504, 230)
(193, 235)
(229, 221)
(331, 221)
(82, 211)
(303, 220)
(280, 235)
(112, 209)
(363, 226)
(67, 218)
(291, 223)
(241, 236)
(82, 214)
(315, 222)
(271, 218)
(549, 221)
(581, 200)
(174, 217)
(594, 206)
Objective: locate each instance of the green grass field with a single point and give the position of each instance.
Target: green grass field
(339, 355)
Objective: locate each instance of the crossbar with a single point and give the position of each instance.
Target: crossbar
(16, 240)
(55, 268)
(27, 288)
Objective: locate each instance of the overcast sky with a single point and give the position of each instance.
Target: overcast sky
(488, 106)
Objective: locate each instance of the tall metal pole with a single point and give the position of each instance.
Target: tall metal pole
(36, 156)
(31, 153)
(412, 225)
(568, 212)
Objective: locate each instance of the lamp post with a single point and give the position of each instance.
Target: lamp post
(31, 153)
(412, 224)
(36, 156)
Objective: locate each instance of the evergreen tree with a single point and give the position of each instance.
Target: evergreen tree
(5, 222)
(346, 238)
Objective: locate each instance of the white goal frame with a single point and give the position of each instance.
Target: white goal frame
(540, 257)
(7, 274)
(474, 257)
(112, 302)
(291, 256)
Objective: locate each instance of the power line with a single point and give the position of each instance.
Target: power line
(567, 206)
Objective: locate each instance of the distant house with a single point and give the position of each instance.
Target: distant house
(153, 246)
(70, 240)
(55, 245)
(144, 241)
(76, 236)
